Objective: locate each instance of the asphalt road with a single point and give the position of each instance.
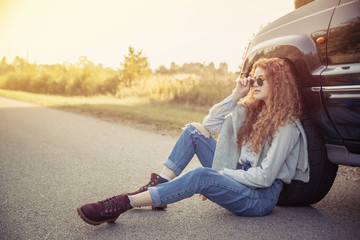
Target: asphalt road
(52, 161)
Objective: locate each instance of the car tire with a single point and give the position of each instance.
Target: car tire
(322, 172)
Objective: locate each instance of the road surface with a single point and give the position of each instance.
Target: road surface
(52, 161)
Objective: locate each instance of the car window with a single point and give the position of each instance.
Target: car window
(344, 34)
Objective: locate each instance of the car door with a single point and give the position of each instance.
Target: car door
(341, 79)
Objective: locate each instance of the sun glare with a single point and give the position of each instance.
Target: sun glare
(178, 31)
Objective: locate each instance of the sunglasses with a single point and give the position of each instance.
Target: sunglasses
(259, 82)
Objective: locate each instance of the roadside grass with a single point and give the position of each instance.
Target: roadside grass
(139, 112)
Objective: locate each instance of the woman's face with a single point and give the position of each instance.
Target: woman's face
(261, 92)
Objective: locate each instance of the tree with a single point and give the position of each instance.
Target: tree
(4, 67)
(192, 67)
(210, 68)
(19, 63)
(223, 68)
(84, 61)
(174, 68)
(135, 67)
(162, 70)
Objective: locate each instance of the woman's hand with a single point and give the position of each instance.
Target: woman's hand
(242, 88)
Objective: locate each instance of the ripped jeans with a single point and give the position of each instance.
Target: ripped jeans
(217, 187)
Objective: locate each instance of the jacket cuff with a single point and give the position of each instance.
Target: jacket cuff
(234, 96)
(229, 172)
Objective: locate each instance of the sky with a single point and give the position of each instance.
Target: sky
(180, 31)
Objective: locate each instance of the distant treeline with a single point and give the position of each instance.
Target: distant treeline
(191, 83)
(196, 68)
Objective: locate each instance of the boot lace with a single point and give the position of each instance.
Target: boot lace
(151, 183)
(111, 204)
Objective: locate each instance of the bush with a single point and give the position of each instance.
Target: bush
(197, 85)
(188, 88)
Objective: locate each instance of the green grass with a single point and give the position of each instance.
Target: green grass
(163, 117)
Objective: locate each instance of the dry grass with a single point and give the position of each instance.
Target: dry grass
(162, 117)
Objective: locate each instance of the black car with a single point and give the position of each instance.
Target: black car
(322, 42)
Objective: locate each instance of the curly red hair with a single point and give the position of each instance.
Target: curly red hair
(283, 104)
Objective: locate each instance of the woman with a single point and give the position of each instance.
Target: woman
(261, 146)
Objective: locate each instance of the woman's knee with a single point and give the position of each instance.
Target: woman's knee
(201, 129)
(203, 172)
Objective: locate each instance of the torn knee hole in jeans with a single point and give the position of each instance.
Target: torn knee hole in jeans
(200, 129)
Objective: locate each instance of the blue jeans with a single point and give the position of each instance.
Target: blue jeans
(218, 188)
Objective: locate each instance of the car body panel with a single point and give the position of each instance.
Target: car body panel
(341, 79)
(328, 72)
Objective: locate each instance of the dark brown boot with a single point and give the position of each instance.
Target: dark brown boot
(107, 210)
(155, 180)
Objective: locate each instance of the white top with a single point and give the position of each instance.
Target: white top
(281, 159)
